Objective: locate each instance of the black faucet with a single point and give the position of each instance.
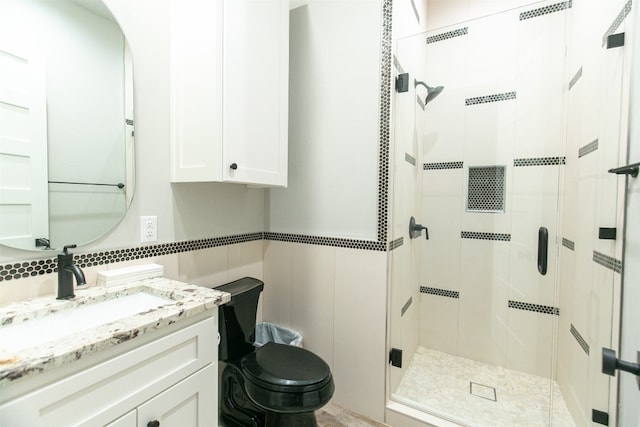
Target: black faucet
(67, 269)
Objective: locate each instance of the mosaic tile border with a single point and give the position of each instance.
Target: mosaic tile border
(579, 339)
(486, 189)
(440, 292)
(575, 78)
(448, 35)
(26, 269)
(568, 244)
(395, 244)
(505, 237)
(442, 165)
(617, 21)
(406, 306)
(540, 161)
(386, 48)
(534, 13)
(607, 261)
(409, 159)
(544, 309)
(589, 148)
(339, 242)
(490, 98)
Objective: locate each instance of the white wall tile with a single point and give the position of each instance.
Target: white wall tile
(439, 323)
(312, 299)
(207, 267)
(360, 324)
(245, 259)
(276, 297)
(531, 343)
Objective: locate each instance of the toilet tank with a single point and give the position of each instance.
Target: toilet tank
(237, 318)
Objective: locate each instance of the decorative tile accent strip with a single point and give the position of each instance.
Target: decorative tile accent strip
(386, 49)
(568, 244)
(616, 22)
(442, 165)
(490, 98)
(406, 306)
(575, 78)
(485, 236)
(545, 10)
(545, 309)
(420, 102)
(589, 148)
(369, 245)
(397, 65)
(26, 269)
(415, 10)
(540, 161)
(579, 338)
(410, 159)
(486, 189)
(440, 292)
(607, 261)
(395, 244)
(448, 35)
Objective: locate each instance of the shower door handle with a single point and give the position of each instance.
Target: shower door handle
(543, 247)
(610, 363)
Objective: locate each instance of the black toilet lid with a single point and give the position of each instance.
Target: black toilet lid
(281, 365)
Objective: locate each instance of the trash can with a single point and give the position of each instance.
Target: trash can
(269, 332)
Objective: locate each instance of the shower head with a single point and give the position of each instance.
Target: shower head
(432, 92)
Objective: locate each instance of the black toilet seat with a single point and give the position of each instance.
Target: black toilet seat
(284, 368)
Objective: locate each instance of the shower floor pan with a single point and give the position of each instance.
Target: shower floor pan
(480, 395)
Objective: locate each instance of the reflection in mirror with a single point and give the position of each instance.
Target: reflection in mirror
(66, 123)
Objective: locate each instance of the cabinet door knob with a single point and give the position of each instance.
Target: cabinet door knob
(154, 423)
(234, 166)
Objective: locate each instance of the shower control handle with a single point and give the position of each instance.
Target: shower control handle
(415, 230)
(233, 166)
(154, 423)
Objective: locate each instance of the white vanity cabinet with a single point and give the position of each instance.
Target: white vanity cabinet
(229, 91)
(171, 378)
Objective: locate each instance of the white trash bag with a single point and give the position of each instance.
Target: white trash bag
(269, 332)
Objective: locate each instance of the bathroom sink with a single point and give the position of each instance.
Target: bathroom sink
(73, 319)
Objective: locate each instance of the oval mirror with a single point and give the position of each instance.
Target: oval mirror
(66, 123)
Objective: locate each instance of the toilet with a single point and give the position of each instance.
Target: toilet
(273, 385)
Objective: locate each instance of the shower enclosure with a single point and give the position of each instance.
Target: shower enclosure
(499, 311)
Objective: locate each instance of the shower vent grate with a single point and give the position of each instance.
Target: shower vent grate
(486, 189)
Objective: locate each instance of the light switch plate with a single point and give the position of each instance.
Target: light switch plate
(148, 229)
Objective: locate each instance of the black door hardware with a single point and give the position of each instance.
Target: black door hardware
(154, 423)
(395, 357)
(543, 249)
(631, 169)
(605, 233)
(415, 230)
(233, 166)
(402, 82)
(610, 363)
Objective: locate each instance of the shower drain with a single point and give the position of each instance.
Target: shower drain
(483, 391)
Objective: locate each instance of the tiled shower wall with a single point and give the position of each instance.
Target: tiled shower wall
(590, 268)
(492, 158)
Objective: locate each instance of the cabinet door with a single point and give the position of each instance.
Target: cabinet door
(127, 420)
(255, 91)
(190, 403)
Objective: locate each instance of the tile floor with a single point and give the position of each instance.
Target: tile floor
(480, 395)
(332, 415)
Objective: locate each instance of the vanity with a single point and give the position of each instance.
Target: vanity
(140, 354)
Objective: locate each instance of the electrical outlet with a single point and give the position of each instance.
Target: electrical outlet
(148, 229)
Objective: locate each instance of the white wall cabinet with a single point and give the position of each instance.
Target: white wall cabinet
(229, 91)
(172, 379)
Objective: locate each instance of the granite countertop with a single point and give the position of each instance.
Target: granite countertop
(186, 301)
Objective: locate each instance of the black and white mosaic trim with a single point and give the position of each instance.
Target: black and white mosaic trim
(575, 78)
(338, 242)
(579, 338)
(442, 165)
(485, 236)
(589, 148)
(386, 48)
(490, 98)
(540, 161)
(448, 35)
(406, 306)
(395, 244)
(534, 13)
(26, 269)
(607, 261)
(545, 309)
(409, 159)
(568, 244)
(617, 21)
(440, 292)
